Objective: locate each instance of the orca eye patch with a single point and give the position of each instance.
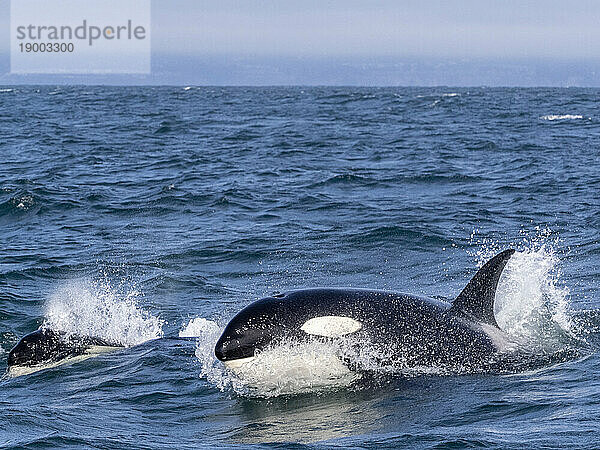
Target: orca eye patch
(331, 326)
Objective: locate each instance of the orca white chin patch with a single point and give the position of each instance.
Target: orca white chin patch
(331, 326)
(236, 364)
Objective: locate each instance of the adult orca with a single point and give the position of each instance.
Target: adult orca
(46, 347)
(402, 329)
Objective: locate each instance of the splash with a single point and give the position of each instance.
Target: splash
(293, 368)
(289, 368)
(208, 333)
(98, 309)
(530, 302)
(532, 305)
(199, 327)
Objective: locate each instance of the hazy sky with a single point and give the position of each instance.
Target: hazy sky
(471, 28)
(371, 42)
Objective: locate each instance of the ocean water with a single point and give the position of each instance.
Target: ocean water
(151, 215)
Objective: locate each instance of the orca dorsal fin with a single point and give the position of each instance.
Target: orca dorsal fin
(477, 298)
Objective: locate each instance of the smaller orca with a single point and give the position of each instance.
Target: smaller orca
(49, 347)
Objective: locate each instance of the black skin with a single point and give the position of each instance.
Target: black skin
(414, 330)
(46, 346)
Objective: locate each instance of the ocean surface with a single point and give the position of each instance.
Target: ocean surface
(151, 215)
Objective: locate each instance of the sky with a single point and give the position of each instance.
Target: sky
(402, 42)
(471, 28)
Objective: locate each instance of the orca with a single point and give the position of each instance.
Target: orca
(46, 347)
(405, 330)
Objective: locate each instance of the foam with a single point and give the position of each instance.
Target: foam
(563, 117)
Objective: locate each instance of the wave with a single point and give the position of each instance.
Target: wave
(398, 234)
(563, 117)
(19, 203)
(438, 178)
(344, 98)
(23, 196)
(344, 179)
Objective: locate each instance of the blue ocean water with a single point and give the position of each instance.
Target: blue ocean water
(146, 213)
